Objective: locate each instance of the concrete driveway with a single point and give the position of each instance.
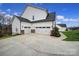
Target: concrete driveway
(37, 45)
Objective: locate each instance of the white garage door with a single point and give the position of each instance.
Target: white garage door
(27, 30)
(43, 30)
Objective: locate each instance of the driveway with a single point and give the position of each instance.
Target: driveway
(38, 45)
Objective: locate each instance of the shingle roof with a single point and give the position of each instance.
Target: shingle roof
(62, 25)
(22, 19)
(37, 7)
(50, 17)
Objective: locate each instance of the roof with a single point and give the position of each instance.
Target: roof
(50, 17)
(34, 7)
(22, 19)
(37, 7)
(62, 25)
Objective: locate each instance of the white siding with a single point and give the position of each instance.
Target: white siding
(25, 24)
(61, 28)
(37, 13)
(16, 26)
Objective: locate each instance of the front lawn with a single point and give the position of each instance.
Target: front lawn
(72, 35)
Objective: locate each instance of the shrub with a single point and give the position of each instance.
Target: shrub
(1, 34)
(66, 29)
(55, 32)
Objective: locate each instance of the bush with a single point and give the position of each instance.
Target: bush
(66, 29)
(1, 35)
(55, 32)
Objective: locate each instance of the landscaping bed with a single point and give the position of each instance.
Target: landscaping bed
(72, 35)
(7, 36)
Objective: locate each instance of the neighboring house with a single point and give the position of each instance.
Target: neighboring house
(62, 27)
(73, 28)
(33, 20)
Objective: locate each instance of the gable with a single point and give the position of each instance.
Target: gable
(34, 14)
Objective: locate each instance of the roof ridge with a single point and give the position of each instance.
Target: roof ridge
(37, 7)
(34, 7)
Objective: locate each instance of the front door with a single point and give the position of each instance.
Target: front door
(32, 30)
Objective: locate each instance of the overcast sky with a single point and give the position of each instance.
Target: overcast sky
(66, 13)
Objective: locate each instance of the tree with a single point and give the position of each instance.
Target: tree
(55, 30)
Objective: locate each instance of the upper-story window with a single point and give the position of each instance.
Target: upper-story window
(33, 18)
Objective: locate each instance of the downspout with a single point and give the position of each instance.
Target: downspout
(54, 21)
(20, 27)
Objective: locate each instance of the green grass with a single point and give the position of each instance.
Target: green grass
(72, 35)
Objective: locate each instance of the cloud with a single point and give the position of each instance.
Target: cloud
(8, 15)
(8, 10)
(71, 20)
(16, 13)
(59, 17)
(58, 22)
(62, 18)
(2, 12)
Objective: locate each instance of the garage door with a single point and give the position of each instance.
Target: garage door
(43, 30)
(26, 30)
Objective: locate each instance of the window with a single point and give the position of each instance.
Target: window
(36, 27)
(40, 27)
(33, 18)
(48, 27)
(26, 27)
(43, 27)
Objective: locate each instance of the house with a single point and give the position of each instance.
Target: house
(62, 27)
(73, 28)
(33, 20)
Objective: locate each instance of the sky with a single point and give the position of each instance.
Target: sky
(66, 13)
